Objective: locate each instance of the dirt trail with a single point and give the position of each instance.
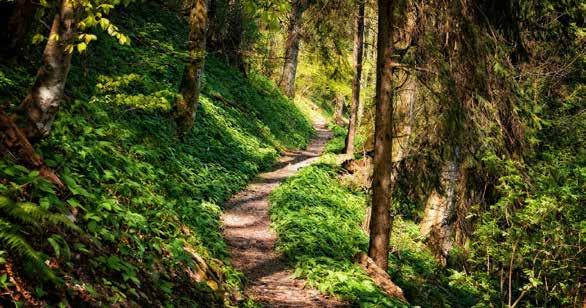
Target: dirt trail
(252, 243)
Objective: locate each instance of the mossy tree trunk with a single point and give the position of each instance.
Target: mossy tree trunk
(356, 81)
(287, 82)
(188, 98)
(38, 110)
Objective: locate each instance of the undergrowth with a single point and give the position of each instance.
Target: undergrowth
(318, 221)
(338, 142)
(141, 206)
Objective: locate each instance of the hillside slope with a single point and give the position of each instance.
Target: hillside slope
(144, 203)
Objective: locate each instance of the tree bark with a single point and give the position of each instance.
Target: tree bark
(380, 277)
(188, 98)
(37, 111)
(357, 56)
(234, 40)
(287, 82)
(338, 109)
(14, 143)
(440, 211)
(381, 221)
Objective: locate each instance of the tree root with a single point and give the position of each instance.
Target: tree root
(380, 277)
(14, 142)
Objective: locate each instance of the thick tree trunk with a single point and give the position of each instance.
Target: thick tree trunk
(357, 56)
(287, 82)
(188, 98)
(39, 108)
(381, 221)
(404, 115)
(440, 212)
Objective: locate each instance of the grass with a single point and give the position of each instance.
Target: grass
(139, 194)
(318, 222)
(338, 142)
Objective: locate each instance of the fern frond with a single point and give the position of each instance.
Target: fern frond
(27, 209)
(14, 242)
(10, 209)
(32, 214)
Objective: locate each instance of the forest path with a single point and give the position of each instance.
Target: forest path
(246, 225)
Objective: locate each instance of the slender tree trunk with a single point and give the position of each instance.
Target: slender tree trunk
(357, 56)
(287, 82)
(234, 39)
(369, 53)
(338, 109)
(269, 65)
(187, 101)
(381, 221)
(39, 108)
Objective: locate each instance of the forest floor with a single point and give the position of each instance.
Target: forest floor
(247, 230)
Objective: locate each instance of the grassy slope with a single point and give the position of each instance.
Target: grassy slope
(318, 221)
(141, 193)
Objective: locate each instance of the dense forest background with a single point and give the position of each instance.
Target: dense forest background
(457, 163)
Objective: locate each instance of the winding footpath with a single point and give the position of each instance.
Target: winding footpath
(247, 231)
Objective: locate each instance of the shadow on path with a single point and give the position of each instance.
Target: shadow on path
(247, 231)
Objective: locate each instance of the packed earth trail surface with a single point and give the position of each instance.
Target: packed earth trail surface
(252, 242)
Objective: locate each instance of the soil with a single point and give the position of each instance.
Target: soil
(247, 231)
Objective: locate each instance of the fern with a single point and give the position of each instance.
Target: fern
(32, 214)
(12, 240)
(19, 215)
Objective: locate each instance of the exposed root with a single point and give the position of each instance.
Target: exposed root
(14, 142)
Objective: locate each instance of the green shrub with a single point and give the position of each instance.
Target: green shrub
(338, 142)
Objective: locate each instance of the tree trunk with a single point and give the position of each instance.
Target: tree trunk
(357, 56)
(188, 98)
(440, 212)
(381, 221)
(39, 108)
(287, 82)
(234, 39)
(15, 144)
(338, 109)
(369, 53)
(380, 277)
(404, 115)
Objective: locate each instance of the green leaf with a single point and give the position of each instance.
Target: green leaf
(81, 47)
